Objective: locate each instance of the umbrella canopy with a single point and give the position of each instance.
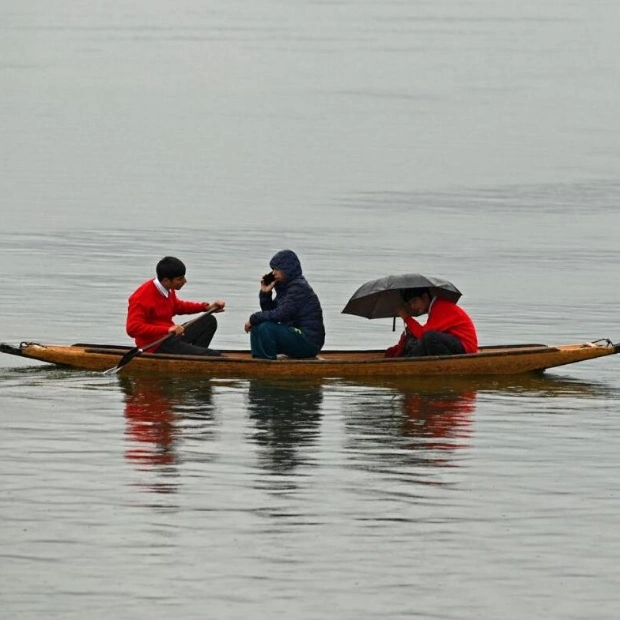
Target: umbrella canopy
(380, 299)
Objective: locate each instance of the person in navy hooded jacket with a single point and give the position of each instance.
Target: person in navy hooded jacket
(292, 323)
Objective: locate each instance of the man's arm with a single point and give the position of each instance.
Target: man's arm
(137, 325)
(287, 308)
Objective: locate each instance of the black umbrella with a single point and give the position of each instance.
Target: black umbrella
(380, 299)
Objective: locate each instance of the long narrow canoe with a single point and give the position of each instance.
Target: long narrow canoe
(495, 360)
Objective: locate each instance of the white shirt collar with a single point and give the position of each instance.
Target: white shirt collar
(161, 288)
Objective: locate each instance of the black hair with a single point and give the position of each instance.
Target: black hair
(409, 293)
(170, 267)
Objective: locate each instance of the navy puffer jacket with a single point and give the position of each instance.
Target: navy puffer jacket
(296, 304)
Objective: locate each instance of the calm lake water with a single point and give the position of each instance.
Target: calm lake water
(476, 141)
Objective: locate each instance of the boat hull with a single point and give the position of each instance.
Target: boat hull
(501, 360)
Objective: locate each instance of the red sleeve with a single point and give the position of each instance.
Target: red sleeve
(436, 322)
(397, 349)
(441, 320)
(139, 327)
(187, 307)
(415, 329)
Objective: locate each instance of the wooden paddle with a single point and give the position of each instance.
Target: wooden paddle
(139, 350)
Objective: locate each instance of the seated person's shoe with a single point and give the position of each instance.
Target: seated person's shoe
(212, 353)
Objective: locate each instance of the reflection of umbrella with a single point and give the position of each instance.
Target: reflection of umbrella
(379, 299)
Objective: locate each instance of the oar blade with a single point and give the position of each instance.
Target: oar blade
(112, 371)
(124, 360)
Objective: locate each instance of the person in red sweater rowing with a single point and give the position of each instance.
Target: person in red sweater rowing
(154, 303)
(448, 330)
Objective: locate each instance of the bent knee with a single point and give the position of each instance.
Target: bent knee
(265, 330)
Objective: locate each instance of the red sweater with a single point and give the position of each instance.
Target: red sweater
(443, 316)
(150, 313)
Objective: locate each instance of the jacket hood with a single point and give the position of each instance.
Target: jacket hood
(287, 261)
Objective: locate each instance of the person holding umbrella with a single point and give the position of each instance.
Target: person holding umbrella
(449, 330)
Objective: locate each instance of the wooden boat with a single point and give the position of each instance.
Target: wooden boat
(493, 360)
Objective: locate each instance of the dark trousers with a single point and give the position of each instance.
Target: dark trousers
(434, 343)
(269, 339)
(195, 340)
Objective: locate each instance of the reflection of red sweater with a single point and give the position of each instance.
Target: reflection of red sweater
(150, 424)
(150, 313)
(443, 316)
(440, 416)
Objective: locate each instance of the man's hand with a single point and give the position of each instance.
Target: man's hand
(403, 313)
(217, 306)
(176, 329)
(267, 288)
(247, 327)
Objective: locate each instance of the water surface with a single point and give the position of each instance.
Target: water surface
(474, 141)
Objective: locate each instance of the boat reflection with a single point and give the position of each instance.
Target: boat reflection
(544, 384)
(287, 417)
(389, 425)
(158, 413)
(429, 422)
